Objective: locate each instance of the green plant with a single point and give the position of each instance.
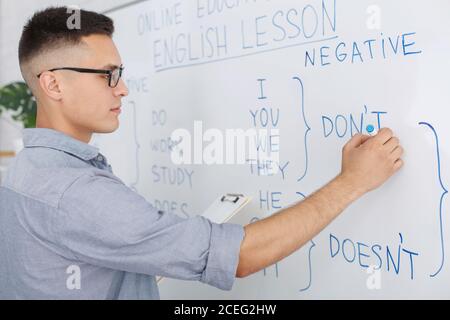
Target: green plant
(18, 98)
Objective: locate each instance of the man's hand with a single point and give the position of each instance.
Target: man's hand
(367, 162)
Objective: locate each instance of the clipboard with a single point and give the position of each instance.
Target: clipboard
(226, 207)
(222, 210)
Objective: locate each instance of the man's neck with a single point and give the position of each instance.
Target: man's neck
(43, 121)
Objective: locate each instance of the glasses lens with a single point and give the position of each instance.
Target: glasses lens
(115, 77)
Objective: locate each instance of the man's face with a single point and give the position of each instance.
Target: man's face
(89, 104)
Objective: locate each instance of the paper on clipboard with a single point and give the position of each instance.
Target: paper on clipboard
(223, 209)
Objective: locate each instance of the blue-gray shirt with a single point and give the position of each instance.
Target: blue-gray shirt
(70, 229)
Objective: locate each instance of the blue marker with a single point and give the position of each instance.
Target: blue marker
(371, 130)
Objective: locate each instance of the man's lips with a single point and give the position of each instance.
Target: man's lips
(117, 110)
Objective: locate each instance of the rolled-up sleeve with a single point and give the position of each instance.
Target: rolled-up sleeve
(101, 221)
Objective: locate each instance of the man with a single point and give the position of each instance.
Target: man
(62, 210)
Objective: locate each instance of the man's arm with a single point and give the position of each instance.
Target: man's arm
(367, 162)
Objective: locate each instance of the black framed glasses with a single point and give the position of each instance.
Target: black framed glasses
(113, 75)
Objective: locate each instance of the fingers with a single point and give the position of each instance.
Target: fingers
(397, 153)
(384, 142)
(356, 141)
(392, 144)
(383, 136)
(398, 165)
(365, 138)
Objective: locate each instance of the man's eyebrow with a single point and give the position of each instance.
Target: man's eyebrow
(110, 67)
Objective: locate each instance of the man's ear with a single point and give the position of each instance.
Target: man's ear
(50, 86)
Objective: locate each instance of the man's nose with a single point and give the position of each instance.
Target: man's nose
(121, 89)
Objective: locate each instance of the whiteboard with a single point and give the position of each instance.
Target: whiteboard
(311, 73)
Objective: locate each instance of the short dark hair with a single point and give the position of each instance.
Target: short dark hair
(48, 29)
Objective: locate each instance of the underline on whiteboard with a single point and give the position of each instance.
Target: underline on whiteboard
(245, 55)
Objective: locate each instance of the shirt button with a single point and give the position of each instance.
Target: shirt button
(100, 158)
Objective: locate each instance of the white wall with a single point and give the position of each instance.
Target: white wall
(13, 15)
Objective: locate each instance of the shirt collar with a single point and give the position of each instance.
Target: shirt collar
(49, 138)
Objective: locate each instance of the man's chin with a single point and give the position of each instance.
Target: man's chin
(106, 130)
